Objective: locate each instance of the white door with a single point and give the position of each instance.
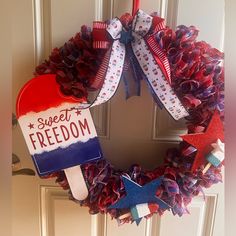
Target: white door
(40, 207)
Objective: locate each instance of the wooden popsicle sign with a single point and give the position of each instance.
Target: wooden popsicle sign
(58, 135)
(76, 181)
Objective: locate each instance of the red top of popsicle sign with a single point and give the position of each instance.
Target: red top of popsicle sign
(40, 94)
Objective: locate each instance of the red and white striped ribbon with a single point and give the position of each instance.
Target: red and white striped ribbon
(99, 29)
(160, 56)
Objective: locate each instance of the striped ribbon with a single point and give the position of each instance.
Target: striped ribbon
(99, 31)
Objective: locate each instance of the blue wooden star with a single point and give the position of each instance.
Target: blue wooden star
(137, 194)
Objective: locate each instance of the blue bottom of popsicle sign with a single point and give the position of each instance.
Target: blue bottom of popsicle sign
(62, 158)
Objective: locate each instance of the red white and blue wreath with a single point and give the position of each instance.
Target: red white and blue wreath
(184, 76)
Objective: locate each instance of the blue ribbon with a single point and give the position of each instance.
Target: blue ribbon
(135, 73)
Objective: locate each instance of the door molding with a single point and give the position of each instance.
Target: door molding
(171, 13)
(165, 128)
(42, 29)
(48, 194)
(99, 222)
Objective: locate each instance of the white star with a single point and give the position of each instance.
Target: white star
(219, 149)
(219, 146)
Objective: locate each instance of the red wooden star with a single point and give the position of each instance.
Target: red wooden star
(203, 141)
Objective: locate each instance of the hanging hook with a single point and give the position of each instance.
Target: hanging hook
(136, 5)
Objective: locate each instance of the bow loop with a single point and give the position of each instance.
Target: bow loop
(142, 23)
(115, 28)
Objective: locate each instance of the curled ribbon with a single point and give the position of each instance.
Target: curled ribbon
(149, 57)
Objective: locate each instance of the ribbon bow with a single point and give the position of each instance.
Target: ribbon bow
(148, 57)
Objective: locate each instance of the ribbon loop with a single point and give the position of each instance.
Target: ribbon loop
(142, 23)
(100, 39)
(115, 28)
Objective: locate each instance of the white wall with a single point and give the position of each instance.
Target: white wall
(207, 16)
(230, 72)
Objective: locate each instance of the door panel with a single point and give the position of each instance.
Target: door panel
(130, 131)
(59, 216)
(69, 15)
(207, 16)
(198, 223)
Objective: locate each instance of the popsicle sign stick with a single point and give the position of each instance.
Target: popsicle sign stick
(59, 136)
(77, 183)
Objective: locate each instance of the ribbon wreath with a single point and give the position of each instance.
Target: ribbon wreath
(139, 39)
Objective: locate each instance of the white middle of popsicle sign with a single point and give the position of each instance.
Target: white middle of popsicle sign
(59, 136)
(61, 130)
(60, 140)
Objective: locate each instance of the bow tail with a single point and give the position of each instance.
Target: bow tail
(157, 80)
(113, 73)
(132, 86)
(134, 71)
(132, 75)
(109, 75)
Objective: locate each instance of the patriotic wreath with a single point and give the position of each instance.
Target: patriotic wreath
(194, 78)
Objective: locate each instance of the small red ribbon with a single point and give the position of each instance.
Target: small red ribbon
(100, 37)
